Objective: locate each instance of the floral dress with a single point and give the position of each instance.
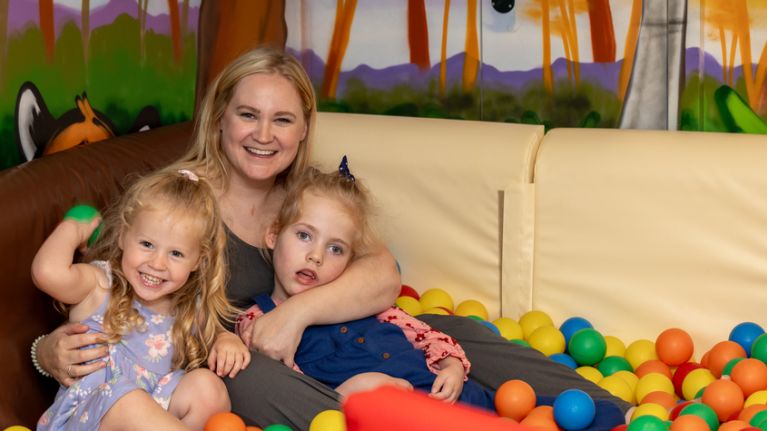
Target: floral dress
(140, 360)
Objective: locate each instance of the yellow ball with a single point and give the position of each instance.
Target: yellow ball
(696, 380)
(471, 307)
(409, 305)
(328, 420)
(436, 310)
(17, 428)
(547, 340)
(640, 351)
(533, 320)
(615, 346)
(509, 328)
(589, 373)
(617, 387)
(653, 382)
(436, 298)
(629, 378)
(650, 409)
(758, 397)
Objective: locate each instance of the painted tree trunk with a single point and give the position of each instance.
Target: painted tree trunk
(46, 27)
(602, 31)
(652, 96)
(418, 34)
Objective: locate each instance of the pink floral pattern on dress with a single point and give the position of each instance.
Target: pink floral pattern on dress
(158, 346)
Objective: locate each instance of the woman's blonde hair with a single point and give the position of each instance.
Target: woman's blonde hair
(206, 154)
(200, 305)
(349, 192)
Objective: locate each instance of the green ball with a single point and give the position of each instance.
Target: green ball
(759, 348)
(613, 364)
(647, 423)
(730, 364)
(587, 346)
(278, 427)
(84, 214)
(520, 341)
(704, 412)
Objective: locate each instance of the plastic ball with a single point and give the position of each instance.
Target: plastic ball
(547, 340)
(436, 310)
(640, 351)
(650, 409)
(574, 409)
(725, 397)
(224, 421)
(520, 342)
(514, 399)
(733, 425)
(406, 290)
(278, 427)
(615, 347)
(509, 328)
(758, 397)
(674, 346)
(653, 366)
(17, 428)
(664, 399)
(541, 418)
(617, 387)
(704, 412)
(436, 298)
(757, 418)
(612, 364)
(532, 320)
(629, 378)
(84, 214)
(727, 370)
(409, 305)
(587, 346)
(589, 373)
(745, 334)
(695, 381)
(688, 423)
(564, 359)
(759, 348)
(748, 412)
(721, 353)
(750, 374)
(471, 307)
(647, 423)
(679, 375)
(674, 413)
(653, 382)
(328, 420)
(253, 428)
(491, 326)
(573, 325)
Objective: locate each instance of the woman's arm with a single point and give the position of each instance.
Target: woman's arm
(368, 286)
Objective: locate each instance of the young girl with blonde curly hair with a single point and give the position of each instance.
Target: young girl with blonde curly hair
(154, 285)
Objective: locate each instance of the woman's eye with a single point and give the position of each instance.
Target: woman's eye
(248, 115)
(303, 236)
(337, 250)
(284, 120)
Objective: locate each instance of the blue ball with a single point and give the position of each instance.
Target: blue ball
(565, 359)
(491, 326)
(574, 410)
(573, 325)
(744, 334)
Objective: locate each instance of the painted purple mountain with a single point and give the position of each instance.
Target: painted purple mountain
(25, 13)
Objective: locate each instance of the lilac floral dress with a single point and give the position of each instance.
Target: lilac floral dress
(140, 360)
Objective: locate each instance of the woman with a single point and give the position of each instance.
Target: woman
(252, 134)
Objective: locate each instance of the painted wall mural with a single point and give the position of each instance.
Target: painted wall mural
(77, 71)
(657, 64)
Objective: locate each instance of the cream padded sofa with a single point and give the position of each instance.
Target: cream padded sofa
(636, 231)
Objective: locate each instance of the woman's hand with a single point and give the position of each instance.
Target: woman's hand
(276, 334)
(449, 382)
(228, 356)
(60, 353)
(369, 381)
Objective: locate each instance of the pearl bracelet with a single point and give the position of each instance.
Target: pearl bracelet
(33, 354)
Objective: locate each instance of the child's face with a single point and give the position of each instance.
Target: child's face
(315, 249)
(160, 250)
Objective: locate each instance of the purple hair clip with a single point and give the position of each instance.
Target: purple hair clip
(343, 169)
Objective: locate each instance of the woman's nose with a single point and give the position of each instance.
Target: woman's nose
(263, 132)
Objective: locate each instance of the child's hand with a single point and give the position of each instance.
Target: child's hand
(449, 382)
(228, 355)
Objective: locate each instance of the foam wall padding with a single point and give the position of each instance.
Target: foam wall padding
(389, 408)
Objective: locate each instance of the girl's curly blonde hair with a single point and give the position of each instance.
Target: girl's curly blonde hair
(200, 306)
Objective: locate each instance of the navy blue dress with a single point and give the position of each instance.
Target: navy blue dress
(334, 353)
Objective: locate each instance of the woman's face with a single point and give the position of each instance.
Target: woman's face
(262, 127)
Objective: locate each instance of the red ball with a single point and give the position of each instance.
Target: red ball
(725, 397)
(681, 372)
(514, 399)
(674, 346)
(674, 413)
(721, 354)
(406, 290)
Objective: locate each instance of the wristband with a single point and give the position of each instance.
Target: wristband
(33, 354)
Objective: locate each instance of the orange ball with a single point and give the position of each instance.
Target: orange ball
(653, 366)
(721, 354)
(253, 428)
(662, 398)
(689, 423)
(750, 374)
(514, 399)
(674, 346)
(541, 418)
(224, 421)
(733, 425)
(747, 413)
(725, 397)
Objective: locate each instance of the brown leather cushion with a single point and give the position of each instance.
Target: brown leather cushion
(33, 199)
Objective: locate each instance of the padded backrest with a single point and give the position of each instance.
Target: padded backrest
(453, 198)
(640, 231)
